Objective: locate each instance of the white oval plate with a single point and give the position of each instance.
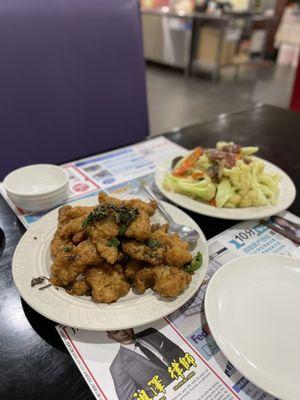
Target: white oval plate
(286, 197)
(32, 259)
(252, 305)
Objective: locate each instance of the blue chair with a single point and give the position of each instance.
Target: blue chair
(72, 79)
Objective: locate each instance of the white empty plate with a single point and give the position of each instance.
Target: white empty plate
(252, 306)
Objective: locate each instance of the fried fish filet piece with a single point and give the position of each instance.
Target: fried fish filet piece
(67, 266)
(66, 213)
(59, 244)
(166, 281)
(177, 252)
(104, 198)
(148, 208)
(131, 268)
(140, 228)
(72, 227)
(100, 233)
(109, 253)
(158, 227)
(160, 249)
(69, 230)
(170, 281)
(79, 287)
(141, 252)
(108, 283)
(144, 279)
(106, 228)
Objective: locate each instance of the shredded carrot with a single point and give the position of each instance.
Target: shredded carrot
(198, 174)
(239, 156)
(189, 162)
(212, 202)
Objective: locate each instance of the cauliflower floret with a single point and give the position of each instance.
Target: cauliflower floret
(257, 167)
(224, 192)
(270, 185)
(245, 202)
(239, 177)
(221, 144)
(254, 186)
(248, 151)
(204, 189)
(246, 184)
(203, 162)
(257, 197)
(233, 202)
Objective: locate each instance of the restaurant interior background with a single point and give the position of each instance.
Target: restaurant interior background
(207, 58)
(73, 94)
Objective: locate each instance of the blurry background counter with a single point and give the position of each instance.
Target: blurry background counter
(196, 41)
(287, 38)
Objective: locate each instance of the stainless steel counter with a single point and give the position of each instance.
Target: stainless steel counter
(171, 37)
(209, 17)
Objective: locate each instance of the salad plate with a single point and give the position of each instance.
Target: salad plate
(285, 195)
(252, 306)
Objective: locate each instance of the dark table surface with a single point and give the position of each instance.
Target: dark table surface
(34, 364)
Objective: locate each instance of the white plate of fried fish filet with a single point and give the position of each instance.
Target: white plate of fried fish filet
(32, 259)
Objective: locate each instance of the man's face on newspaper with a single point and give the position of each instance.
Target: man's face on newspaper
(124, 336)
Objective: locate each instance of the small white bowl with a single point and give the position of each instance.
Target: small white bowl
(42, 197)
(37, 187)
(47, 204)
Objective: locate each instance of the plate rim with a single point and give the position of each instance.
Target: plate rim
(220, 213)
(224, 349)
(29, 299)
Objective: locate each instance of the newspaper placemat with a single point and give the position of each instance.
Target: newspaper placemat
(90, 175)
(177, 357)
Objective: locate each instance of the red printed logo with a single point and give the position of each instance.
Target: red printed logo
(80, 187)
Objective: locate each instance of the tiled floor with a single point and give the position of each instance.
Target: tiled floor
(174, 100)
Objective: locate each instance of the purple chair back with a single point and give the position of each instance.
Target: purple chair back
(72, 79)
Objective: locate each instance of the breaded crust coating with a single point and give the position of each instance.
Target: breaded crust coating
(108, 283)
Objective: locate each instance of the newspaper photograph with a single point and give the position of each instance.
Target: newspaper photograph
(154, 362)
